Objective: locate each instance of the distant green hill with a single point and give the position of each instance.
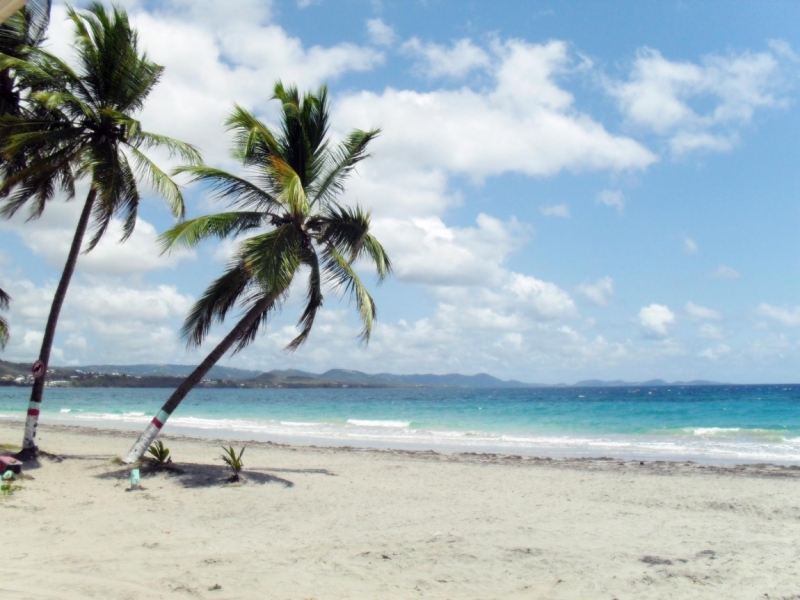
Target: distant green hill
(155, 375)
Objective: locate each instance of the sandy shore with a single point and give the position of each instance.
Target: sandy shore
(344, 523)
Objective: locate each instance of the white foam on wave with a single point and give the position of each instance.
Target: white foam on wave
(708, 431)
(65, 410)
(695, 443)
(369, 423)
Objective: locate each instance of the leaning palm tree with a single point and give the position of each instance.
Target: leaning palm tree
(295, 225)
(5, 300)
(78, 124)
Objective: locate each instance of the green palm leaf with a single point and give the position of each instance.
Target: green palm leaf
(5, 300)
(222, 225)
(340, 273)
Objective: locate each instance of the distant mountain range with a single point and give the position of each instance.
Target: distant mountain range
(155, 375)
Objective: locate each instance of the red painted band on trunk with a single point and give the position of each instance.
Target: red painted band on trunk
(33, 412)
(157, 423)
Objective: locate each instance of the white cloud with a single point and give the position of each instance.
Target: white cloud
(599, 292)
(685, 142)
(100, 319)
(613, 198)
(656, 319)
(525, 123)
(555, 210)
(426, 251)
(701, 313)
(51, 237)
(716, 352)
(306, 3)
(218, 53)
(725, 272)
(699, 106)
(786, 315)
(380, 33)
(690, 246)
(434, 60)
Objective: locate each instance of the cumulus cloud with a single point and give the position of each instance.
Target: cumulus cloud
(698, 106)
(555, 210)
(725, 272)
(434, 60)
(613, 198)
(599, 292)
(656, 319)
(51, 237)
(523, 123)
(99, 319)
(786, 315)
(425, 250)
(380, 33)
(701, 313)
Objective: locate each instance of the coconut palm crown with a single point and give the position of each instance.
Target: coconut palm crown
(78, 123)
(288, 221)
(23, 31)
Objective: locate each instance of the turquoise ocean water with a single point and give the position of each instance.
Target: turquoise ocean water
(706, 424)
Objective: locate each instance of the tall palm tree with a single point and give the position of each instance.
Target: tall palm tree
(289, 209)
(78, 124)
(5, 299)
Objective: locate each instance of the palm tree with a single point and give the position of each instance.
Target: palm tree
(289, 207)
(5, 299)
(23, 31)
(78, 124)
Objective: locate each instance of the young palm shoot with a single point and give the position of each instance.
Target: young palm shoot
(233, 461)
(78, 125)
(159, 455)
(288, 222)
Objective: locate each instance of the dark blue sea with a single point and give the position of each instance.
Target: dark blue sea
(759, 423)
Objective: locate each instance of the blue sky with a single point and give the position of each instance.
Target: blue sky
(568, 191)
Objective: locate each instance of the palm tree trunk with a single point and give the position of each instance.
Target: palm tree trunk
(152, 430)
(29, 448)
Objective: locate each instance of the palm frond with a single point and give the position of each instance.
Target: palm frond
(314, 300)
(238, 191)
(148, 140)
(5, 299)
(340, 164)
(293, 196)
(117, 192)
(347, 229)
(4, 332)
(253, 141)
(340, 273)
(219, 298)
(189, 234)
(160, 181)
(274, 257)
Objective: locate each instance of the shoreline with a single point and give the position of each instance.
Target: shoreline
(593, 463)
(324, 522)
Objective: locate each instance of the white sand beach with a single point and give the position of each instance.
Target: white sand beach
(341, 523)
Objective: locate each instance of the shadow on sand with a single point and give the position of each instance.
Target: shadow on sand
(192, 475)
